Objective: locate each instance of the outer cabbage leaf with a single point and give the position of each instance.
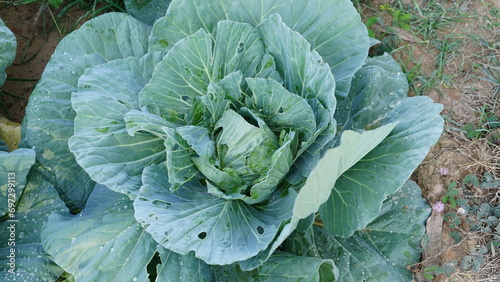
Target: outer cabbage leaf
(8, 46)
(333, 28)
(219, 231)
(377, 98)
(281, 266)
(175, 267)
(376, 89)
(103, 242)
(318, 186)
(382, 250)
(49, 117)
(357, 195)
(38, 200)
(148, 11)
(102, 144)
(14, 168)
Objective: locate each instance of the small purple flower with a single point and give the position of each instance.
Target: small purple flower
(438, 206)
(444, 171)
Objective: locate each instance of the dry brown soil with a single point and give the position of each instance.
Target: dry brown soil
(37, 36)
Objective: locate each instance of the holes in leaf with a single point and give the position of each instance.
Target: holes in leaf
(203, 182)
(163, 43)
(280, 110)
(260, 230)
(75, 211)
(102, 129)
(217, 131)
(161, 204)
(185, 98)
(241, 47)
(251, 120)
(202, 235)
(152, 265)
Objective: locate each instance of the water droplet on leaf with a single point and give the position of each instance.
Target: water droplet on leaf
(394, 103)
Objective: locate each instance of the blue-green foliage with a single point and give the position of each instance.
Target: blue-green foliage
(218, 132)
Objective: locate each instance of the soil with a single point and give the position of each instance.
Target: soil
(463, 94)
(37, 36)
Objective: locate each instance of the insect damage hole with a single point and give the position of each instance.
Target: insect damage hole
(202, 235)
(241, 47)
(260, 230)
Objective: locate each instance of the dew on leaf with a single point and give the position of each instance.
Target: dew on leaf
(394, 103)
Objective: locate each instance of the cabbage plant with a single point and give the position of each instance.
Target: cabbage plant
(8, 46)
(21, 250)
(231, 140)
